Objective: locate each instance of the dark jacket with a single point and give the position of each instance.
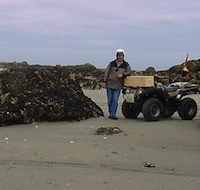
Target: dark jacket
(110, 77)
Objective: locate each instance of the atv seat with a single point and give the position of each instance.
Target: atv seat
(172, 90)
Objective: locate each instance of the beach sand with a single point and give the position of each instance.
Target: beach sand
(70, 155)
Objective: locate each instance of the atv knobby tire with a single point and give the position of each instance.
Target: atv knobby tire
(152, 109)
(187, 109)
(129, 110)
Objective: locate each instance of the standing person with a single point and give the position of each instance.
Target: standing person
(114, 76)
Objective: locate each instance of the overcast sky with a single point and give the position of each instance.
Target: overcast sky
(153, 33)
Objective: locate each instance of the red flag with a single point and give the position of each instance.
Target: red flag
(185, 69)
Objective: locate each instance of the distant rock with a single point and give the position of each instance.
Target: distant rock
(175, 72)
(89, 77)
(5, 65)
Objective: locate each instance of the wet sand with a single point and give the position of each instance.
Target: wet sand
(69, 155)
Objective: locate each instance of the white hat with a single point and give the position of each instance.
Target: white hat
(120, 51)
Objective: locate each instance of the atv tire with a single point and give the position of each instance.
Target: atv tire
(130, 110)
(187, 109)
(152, 109)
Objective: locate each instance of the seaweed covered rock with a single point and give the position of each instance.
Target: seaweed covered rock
(36, 94)
(90, 77)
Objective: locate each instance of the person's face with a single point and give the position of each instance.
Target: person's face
(120, 57)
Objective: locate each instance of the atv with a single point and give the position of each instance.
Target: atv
(154, 100)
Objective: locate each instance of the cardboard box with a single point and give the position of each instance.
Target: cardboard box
(139, 81)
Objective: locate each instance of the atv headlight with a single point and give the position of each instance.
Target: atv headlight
(128, 90)
(140, 91)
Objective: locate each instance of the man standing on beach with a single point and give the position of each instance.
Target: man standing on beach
(114, 76)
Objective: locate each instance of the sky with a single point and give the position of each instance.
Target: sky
(153, 33)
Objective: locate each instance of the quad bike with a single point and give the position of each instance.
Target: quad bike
(155, 100)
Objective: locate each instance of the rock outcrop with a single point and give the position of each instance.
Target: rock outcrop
(175, 73)
(37, 93)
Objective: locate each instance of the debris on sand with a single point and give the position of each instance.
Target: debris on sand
(108, 130)
(148, 164)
